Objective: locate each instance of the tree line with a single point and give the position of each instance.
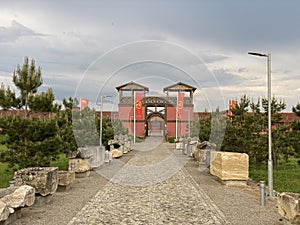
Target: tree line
(246, 130)
(36, 140)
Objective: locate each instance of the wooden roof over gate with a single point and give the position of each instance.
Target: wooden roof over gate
(180, 87)
(132, 86)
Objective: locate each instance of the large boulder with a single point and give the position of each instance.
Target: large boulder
(116, 153)
(43, 179)
(229, 166)
(65, 178)
(289, 207)
(81, 165)
(21, 197)
(4, 211)
(201, 152)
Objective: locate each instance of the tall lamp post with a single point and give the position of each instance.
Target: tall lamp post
(270, 162)
(101, 112)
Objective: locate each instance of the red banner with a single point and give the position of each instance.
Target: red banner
(84, 102)
(231, 105)
(180, 100)
(138, 105)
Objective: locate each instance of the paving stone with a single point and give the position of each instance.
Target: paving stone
(152, 188)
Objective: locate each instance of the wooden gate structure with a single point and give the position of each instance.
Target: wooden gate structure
(171, 112)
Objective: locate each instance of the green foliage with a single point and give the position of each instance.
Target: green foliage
(62, 162)
(244, 131)
(276, 107)
(7, 173)
(29, 141)
(296, 109)
(43, 102)
(218, 128)
(84, 127)
(118, 127)
(27, 79)
(171, 139)
(286, 176)
(107, 130)
(201, 128)
(8, 98)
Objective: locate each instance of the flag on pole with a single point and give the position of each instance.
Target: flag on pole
(231, 105)
(138, 105)
(84, 102)
(180, 99)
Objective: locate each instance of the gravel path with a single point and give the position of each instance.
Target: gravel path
(153, 187)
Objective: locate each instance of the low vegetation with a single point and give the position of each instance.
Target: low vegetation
(286, 175)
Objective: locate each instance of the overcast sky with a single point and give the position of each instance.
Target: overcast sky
(87, 48)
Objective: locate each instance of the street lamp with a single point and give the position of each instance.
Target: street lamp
(101, 112)
(270, 162)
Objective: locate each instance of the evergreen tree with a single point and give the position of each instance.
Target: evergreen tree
(244, 131)
(276, 107)
(84, 127)
(296, 109)
(29, 141)
(8, 98)
(27, 79)
(43, 102)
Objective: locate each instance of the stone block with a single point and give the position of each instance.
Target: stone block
(116, 153)
(13, 216)
(21, 197)
(229, 165)
(43, 179)
(4, 211)
(81, 165)
(289, 207)
(65, 178)
(82, 174)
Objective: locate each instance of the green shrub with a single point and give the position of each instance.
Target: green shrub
(171, 139)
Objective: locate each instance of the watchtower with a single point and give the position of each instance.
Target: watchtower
(126, 107)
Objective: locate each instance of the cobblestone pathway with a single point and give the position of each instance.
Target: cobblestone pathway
(152, 188)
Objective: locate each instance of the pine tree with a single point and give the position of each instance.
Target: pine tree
(27, 79)
(296, 109)
(29, 141)
(8, 98)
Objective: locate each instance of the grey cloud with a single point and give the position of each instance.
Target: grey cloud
(228, 79)
(242, 70)
(15, 31)
(211, 58)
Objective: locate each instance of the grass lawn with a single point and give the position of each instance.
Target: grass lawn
(286, 176)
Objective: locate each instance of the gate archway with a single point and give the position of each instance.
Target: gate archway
(155, 124)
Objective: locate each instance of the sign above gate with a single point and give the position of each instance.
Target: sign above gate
(159, 101)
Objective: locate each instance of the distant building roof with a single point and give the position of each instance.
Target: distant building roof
(132, 86)
(180, 87)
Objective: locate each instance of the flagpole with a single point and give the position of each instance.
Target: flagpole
(134, 131)
(177, 116)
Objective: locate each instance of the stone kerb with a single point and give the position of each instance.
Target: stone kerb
(289, 207)
(43, 179)
(230, 166)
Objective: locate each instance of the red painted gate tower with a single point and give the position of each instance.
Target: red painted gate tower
(169, 116)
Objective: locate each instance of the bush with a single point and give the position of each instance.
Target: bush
(171, 139)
